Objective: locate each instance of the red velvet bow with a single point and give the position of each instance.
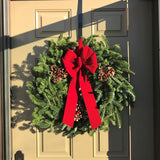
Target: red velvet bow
(76, 62)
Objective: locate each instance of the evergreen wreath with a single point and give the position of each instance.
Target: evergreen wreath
(49, 87)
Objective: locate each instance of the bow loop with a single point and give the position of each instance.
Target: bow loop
(90, 59)
(73, 62)
(79, 62)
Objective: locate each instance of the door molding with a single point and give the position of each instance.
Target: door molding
(5, 72)
(1, 67)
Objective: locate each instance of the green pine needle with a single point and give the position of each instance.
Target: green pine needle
(49, 98)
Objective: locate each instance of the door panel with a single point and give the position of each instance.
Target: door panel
(110, 18)
(53, 146)
(53, 22)
(31, 24)
(34, 22)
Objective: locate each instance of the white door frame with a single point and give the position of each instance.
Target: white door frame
(1, 67)
(6, 80)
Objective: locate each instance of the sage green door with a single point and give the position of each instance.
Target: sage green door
(126, 22)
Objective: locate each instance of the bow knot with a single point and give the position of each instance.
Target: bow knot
(79, 62)
(76, 63)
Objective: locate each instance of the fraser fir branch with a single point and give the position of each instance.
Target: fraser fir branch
(118, 118)
(116, 48)
(131, 95)
(49, 98)
(106, 41)
(118, 105)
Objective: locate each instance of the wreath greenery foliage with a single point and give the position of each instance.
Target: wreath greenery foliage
(49, 98)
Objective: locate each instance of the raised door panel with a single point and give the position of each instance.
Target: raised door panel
(110, 22)
(50, 145)
(53, 22)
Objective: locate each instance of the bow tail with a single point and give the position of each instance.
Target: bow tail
(89, 101)
(71, 103)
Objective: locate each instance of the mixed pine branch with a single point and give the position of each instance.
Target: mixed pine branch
(49, 98)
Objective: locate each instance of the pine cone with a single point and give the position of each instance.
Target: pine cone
(105, 73)
(80, 112)
(57, 73)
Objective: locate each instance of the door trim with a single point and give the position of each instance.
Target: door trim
(1, 67)
(5, 55)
